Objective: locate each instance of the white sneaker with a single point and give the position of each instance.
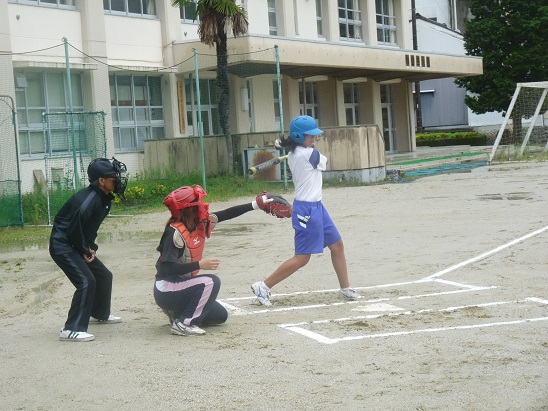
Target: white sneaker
(112, 319)
(178, 328)
(77, 336)
(349, 293)
(262, 292)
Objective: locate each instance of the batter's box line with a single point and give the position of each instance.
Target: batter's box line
(239, 311)
(297, 327)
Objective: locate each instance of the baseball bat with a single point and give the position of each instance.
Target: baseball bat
(265, 165)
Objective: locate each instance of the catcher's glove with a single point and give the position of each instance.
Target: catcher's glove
(274, 204)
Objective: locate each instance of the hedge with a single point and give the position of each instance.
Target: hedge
(451, 139)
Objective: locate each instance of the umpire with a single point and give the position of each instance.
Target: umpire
(72, 247)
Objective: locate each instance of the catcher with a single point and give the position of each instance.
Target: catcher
(314, 229)
(186, 297)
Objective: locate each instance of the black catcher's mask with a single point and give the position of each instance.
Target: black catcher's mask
(102, 167)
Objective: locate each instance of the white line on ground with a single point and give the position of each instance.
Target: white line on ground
(336, 290)
(326, 340)
(486, 254)
(358, 301)
(297, 328)
(396, 314)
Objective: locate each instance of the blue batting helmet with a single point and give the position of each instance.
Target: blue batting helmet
(303, 125)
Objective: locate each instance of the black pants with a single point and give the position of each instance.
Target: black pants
(93, 284)
(193, 300)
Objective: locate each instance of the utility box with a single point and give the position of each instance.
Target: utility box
(254, 156)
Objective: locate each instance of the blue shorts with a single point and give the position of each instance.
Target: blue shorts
(314, 229)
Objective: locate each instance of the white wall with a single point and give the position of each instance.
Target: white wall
(133, 41)
(431, 37)
(28, 33)
(438, 9)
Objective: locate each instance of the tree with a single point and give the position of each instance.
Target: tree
(511, 37)
(216, 18)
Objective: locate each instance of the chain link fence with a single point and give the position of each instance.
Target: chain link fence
(10, 179)
(72, 140)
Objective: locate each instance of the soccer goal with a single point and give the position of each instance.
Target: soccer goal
(525, 124)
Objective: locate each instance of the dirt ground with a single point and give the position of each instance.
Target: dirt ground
(453, 273)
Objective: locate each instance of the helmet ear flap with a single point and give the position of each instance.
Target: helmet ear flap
(295, 137)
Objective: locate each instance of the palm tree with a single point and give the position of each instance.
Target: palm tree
(217, 17)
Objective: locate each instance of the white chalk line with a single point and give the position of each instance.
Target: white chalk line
(486, 254)
(297, 328)
(239, 311)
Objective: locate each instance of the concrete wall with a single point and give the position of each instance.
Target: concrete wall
(353, 152)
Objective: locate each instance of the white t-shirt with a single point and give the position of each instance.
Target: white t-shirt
(307, 164)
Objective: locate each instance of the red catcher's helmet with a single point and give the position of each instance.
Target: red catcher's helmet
(185, 197)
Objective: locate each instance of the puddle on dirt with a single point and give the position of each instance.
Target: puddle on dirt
(115, 236)
(230, 230)
(507, 196)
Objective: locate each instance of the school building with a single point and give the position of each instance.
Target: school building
(345, 63)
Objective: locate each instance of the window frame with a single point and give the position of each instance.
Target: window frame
(272, 30)
(353, 104)
(107, 7)
(43, 3)
(188, 19)
(319, 18)
(30, 132)
(133, 127)
(209, 110)
(312, 107)
(355, 23)
(386, 27)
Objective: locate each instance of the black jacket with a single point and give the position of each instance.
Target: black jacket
(77, 222)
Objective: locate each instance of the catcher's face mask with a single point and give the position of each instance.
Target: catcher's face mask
(104, 168)
(121, 178)
(185, 197)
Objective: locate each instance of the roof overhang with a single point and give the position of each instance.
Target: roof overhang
(301, 59)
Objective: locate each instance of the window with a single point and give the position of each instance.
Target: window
(187, 13)
(137, 111)
(42, 92)
(208, 103)
(48, 3)
(308, 99)
(386, 22)
(131, 7)
(319, 18)
(351, 104)
(388, 119)
(272, 25)
(350, 23)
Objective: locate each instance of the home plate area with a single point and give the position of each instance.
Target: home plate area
(393, 310)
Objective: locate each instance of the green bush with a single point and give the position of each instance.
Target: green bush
(451, 139)
(148, 193)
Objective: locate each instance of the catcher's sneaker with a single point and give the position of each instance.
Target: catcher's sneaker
(349, 293)
(76, 336)
(112, 319)
(178, 328)
(262, 292)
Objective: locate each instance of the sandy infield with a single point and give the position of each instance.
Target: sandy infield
(453, 271)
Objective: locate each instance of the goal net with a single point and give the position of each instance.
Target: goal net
(524, 130)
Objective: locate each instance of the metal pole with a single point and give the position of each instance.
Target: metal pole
(417, 97)
(279, 77)
(69, 95)
(200, 127)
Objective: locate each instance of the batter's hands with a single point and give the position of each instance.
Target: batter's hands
(209, 263)
(89, 256)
